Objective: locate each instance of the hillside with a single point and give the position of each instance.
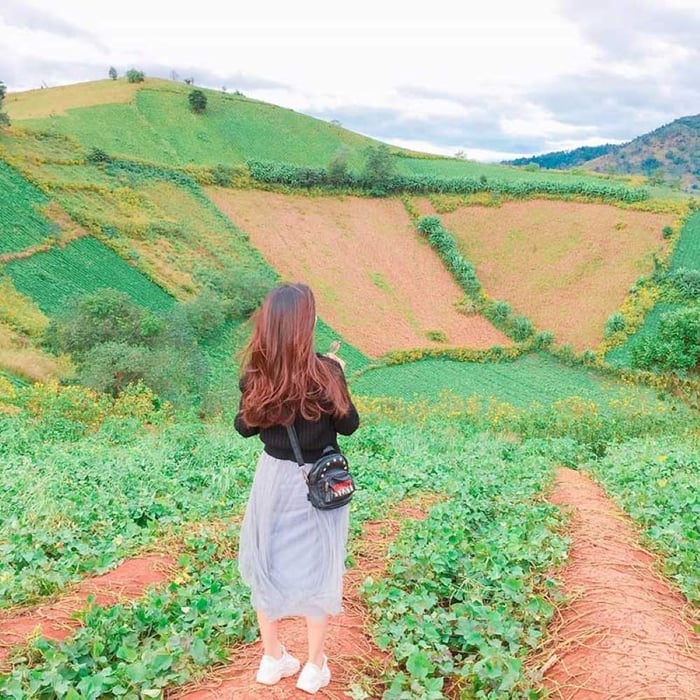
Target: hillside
(108, 184)
(669, 154)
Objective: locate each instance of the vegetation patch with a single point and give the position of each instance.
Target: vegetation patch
(86, 265)
(657, 483)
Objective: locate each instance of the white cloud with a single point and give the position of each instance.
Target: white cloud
(439, 62)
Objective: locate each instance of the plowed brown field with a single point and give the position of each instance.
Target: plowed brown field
(567, 266)
(376, 281)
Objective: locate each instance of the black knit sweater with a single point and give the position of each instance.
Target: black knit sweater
(314, 436)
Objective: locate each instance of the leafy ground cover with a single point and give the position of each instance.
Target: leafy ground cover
(467, 595)
(469, 592)
(21, 222)
(84, 484)
(51, 278)
(657, 483)
(135, 650)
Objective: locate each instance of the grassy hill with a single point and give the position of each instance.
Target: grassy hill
(103, 186)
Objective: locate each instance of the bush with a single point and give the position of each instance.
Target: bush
(98, 157)
(379, 166)
(667, 231)
(4, 119)
(105, 316)
(135, 76)
(338, 168)
(241, 290)
(198, 101)
(686, 281)
(112, 73)
(614, 324)
(676, 346)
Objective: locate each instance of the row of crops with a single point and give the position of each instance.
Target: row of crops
(467, 596)
(54, 533)
(273, 172)
(21, 221)
(86, 265)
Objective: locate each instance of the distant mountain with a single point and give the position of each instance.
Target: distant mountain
(667, 155)
(561, 160)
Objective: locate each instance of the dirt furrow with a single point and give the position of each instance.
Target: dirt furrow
(626, 634)
(56, 620)
(351, 652)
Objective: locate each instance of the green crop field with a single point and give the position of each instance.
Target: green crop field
(687, 252)
(685, 256)
(53, 277)
(21, 223)
(158, 126)
(658, 484)
(527, 380)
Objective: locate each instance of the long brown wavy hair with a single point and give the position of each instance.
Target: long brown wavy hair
(281, 374)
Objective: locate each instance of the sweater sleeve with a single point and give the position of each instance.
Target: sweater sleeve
(238, 423)
(348, 424)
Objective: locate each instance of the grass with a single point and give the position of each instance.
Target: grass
(159, 126)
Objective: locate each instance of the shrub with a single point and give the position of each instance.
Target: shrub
(436, 336)
(379, 166)
(4, 119)
(135, 76)
(97, 156)
(241, 290)
(112, 73)
(105, 316)
(676, 346)
(614, 324)
(686, 281)
(667, 231)
(197, 101)
(338, 167)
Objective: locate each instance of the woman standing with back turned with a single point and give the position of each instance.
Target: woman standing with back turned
(291, 554)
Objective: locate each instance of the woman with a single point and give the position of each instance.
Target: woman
(291, 554)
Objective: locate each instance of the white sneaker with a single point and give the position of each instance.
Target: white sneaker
(312, 678)
(271, 669)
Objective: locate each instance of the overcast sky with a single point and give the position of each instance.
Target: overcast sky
(494, 79)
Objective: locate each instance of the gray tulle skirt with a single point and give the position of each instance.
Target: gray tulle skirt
(291, 554)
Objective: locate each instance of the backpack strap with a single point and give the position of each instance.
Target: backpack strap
(294, 440)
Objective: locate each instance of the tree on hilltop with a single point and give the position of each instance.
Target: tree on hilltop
(198, 101)
(135, 76)
(4, 119)
(113, 73)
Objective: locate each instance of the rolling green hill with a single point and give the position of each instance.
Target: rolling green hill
(119, 167)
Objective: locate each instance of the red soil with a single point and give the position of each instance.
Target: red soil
(350, 649)
(57, 620)
(626, 635)
(567, 266)
(377, 282)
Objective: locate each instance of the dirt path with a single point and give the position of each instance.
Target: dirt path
(351, 652)
(56, 620)
(626, 635)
